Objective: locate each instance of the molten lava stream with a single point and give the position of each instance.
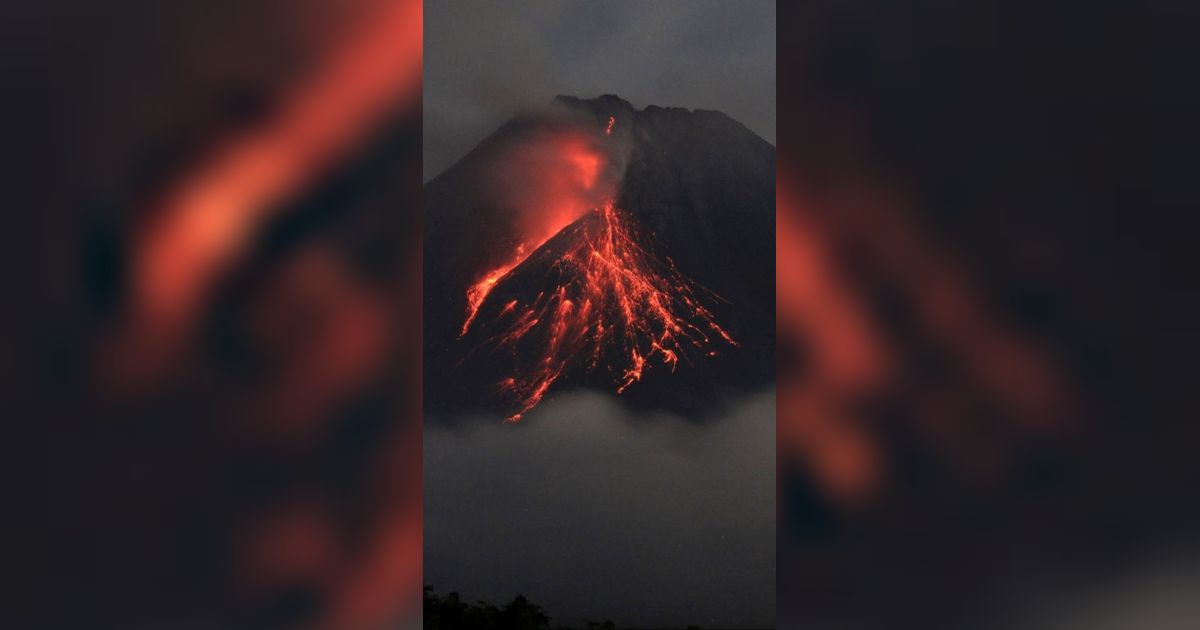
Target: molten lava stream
(611, 298)
(566, 186)
(478, 292)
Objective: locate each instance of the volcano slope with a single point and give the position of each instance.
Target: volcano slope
(594, 245)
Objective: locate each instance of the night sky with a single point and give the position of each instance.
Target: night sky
(589, 509)
(485, 62)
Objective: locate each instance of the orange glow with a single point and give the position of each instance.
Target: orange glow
(811, 295)
(612, 120)
(587, 166)
(852, 351)
(565, 180)
(478, 291)
(208, 216)
(198, 231)
(614, 293)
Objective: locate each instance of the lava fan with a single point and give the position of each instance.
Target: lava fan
(604, 302)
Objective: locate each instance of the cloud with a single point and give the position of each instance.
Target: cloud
(596, 513)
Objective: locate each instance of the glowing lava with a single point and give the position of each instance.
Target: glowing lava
(478, 291)
(610, 297)
(566, 181)
(612, 120)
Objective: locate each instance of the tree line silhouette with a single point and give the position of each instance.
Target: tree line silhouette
(449, 612)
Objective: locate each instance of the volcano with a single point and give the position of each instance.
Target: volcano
(594, 245)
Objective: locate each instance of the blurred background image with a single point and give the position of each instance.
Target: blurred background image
(985, 311)
(217, 335)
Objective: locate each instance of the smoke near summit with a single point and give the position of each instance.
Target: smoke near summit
(600, 246)
(487, 62)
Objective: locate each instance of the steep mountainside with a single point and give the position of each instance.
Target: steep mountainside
(596, 245)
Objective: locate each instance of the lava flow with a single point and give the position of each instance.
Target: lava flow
(478, 291)
(566, 184)
(607, 298)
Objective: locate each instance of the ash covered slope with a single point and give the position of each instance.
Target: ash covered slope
(700, 183)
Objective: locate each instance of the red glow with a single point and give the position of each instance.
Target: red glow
(587, 166)
(852, 352)
(478, 291)
(203, 227)
(612, 120)
(614, 293)
(552, 182)
(207, 218)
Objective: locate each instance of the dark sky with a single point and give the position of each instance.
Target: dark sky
(485, 61)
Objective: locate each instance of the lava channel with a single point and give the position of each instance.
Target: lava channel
(607, 303)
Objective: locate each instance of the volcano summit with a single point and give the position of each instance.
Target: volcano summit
(594, 245)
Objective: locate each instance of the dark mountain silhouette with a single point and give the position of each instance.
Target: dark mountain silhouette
(698, 190)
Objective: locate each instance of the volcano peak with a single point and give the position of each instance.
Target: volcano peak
(665, 268)
(606, 104)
